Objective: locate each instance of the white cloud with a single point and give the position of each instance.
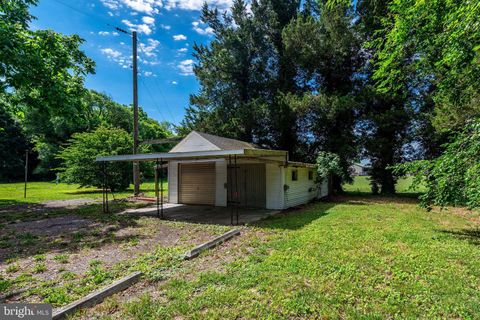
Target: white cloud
(106, 33)
(111, 4)
(117, 57)
(186, 67)
(152, 6)
(166, 27)
(148, 20)
(147, 73)
(111, 53)
(140, 28)
(197, 4)
(174, 82)
(179, 37)
(150, 47)
(197, 26)
(182, 50)
(145, 6)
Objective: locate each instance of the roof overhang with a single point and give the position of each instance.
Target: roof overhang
(169, 156)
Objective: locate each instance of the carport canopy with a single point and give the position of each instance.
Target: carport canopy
(275, 156)
(272, 155)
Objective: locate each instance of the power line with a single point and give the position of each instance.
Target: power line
(159, 88)
(107, 22)
(121, 30)
(153, 99)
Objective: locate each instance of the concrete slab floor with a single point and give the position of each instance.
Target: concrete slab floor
(206, 214)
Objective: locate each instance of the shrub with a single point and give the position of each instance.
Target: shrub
(328, 163)
(454, 177)
(79, 165)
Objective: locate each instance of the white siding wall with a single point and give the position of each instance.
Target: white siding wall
(221, 182)
(300, 191)
(173, 182)
(275, 177)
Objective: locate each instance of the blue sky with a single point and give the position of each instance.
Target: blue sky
(167, 30)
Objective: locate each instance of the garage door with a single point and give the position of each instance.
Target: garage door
(250, 183)
(197, 183)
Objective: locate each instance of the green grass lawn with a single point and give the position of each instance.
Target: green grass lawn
(361, 184)
(358, 258)
(38, 192)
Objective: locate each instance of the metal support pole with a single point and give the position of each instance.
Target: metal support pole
(103, 187)
(106, 186)
(245, 188)
(229, 187)
(156, 187)
(236, 187)
(26, 175)
(161, 188)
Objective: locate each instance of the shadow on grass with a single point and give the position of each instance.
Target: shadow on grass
(470, 235)
(5, 203)
(298, 217)
(411, 195)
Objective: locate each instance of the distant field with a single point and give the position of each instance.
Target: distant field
(38, 192)
(362, 184)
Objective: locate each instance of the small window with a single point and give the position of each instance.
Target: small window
(294, 175)
(310, 175)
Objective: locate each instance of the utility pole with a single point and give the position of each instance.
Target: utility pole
(136, 169)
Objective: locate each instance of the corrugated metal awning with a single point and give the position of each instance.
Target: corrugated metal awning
(276, 156)
(167, 156)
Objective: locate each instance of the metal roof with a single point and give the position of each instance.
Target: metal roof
(194, 155)
(222, 148)
(226, 143)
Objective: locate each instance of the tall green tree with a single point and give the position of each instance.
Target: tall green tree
(244, 73)
(233, 73)
(324, 46)
(13, 145)
(261, 75)
(385, 117)
(43, 72)
(433, 45)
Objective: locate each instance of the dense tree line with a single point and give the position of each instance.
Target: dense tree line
(43, 100)
(387, 81)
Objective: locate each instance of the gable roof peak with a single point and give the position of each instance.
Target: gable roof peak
(226, 143)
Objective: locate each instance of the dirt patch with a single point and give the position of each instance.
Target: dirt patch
(71, 244)
(49, 205)
(49, 226)
(69, 203)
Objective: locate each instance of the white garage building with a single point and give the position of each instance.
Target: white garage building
(210, 170)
